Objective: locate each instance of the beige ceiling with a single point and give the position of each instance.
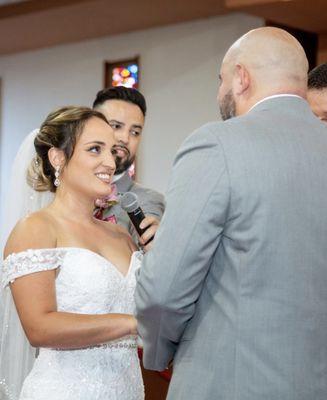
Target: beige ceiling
(40, 23)
(33, 24)
(309, 15)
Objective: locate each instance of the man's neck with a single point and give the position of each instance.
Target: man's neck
(272, 97)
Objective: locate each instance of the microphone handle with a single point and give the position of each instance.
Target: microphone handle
(137, 216)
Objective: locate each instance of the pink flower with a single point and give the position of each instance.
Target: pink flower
(111, 218)
(131, 170)
(110, 200)
(99, 214)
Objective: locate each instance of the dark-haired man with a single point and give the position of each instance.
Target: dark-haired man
(317, 91)
(125, 110)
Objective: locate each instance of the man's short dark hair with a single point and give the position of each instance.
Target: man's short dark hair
(121, 93)
(318, 77)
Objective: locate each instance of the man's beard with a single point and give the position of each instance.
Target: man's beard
(227, 106)
(122, 164)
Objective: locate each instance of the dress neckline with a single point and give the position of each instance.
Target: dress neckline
(113, 266)
(124, 276)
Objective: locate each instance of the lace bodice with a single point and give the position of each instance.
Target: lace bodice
(86, 283)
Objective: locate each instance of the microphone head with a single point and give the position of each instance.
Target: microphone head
(129, 202)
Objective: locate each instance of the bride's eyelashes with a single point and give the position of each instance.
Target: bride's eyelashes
(95, 149)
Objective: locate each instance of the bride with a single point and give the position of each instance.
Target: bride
(72, 277)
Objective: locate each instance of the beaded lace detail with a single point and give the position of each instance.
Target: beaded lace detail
(30, 261)
(86, 283)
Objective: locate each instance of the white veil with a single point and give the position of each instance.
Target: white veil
(16, 354)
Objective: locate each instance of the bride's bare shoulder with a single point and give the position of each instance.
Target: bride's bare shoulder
(35, 231)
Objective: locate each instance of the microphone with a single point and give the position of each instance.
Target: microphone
(129, 203)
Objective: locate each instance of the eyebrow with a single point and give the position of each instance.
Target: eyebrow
(95, 142)
(115, 120)
(122, 123)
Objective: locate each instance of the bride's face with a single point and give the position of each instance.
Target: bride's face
(92, 165)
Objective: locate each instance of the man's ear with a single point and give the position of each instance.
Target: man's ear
(56, 157)
(241, 81)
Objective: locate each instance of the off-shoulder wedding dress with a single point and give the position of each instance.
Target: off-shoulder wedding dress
(86, 283)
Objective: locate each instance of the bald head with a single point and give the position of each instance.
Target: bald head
(268, 50)
(264, 62)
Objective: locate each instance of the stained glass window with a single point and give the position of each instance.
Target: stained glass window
(124, 73)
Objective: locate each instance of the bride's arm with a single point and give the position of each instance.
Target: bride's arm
(35, 300)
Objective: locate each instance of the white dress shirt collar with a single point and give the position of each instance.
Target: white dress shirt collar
(117, 177)
(273, 97)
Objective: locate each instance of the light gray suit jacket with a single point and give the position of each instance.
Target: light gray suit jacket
(151, 202)
(235, 288)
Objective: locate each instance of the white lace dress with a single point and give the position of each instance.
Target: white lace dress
(86, 283)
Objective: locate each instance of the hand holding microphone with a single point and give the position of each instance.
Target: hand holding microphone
(146, 227)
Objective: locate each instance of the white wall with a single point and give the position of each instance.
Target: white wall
(179, 67)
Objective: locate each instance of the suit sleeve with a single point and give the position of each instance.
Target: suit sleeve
(174, 271)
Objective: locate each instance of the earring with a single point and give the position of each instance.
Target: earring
(32, 192)
(57, 173)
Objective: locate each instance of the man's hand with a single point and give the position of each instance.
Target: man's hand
(151, 224)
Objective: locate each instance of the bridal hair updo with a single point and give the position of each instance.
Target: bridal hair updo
(61, 129)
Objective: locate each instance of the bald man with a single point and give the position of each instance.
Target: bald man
(317, 91)
(234, 289)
